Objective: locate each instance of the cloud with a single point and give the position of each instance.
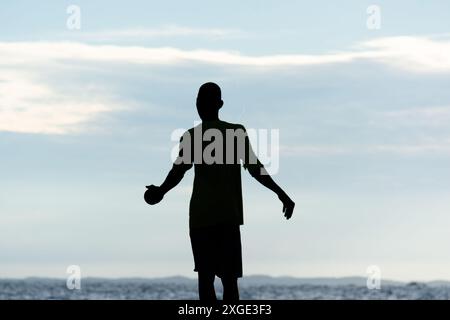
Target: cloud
(419, 54)
(171, 31)
(416, 54)
(29, 106)
(41, 52)
(30, 103)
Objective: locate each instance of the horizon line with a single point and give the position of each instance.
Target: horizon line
(244, 277)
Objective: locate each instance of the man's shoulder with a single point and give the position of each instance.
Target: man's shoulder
(220, 125)
(223, 126)
(234, 126)
(193, 129)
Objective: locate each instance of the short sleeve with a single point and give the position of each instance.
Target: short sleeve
(184, 158)
(249, 159)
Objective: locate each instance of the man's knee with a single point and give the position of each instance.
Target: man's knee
(206, 277)
(229, 280)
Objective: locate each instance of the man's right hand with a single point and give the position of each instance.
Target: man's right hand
(153, 195)
(288, 205)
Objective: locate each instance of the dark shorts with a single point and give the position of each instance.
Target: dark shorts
(217, 249)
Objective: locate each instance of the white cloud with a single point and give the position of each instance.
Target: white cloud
(420, 54)
(417, 54)
(19, 53)
(160, 32)
(28, 106)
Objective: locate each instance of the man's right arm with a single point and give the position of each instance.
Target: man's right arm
(179, 168)
(174, 177)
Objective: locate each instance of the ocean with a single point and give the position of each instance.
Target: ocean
(180, 288)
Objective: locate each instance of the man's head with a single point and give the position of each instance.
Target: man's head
(209, 101)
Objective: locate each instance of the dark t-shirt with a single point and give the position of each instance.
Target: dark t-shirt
(216, 148)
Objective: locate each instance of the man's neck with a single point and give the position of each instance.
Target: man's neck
(211, 119)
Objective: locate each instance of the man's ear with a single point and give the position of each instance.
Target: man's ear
(220, 104)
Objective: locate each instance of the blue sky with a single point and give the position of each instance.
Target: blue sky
(86, 117)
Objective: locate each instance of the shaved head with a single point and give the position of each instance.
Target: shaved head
(209, 91)
(209, 101)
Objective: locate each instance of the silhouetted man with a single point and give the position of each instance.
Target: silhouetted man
(216, 148)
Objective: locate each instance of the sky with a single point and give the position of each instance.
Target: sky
(86, 118)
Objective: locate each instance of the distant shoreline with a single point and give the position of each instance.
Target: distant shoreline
(251, 288)
(249, 280)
